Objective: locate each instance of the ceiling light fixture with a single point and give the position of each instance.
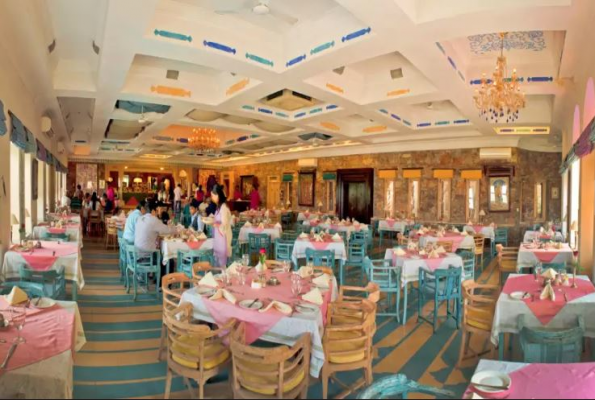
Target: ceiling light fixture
(204, 140)
(500, 97)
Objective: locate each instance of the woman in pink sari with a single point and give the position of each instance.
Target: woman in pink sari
(222, 227)
(254, 199)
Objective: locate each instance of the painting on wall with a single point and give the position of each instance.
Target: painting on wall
(499, 194)
(34, 180)
(306, 189)
(555, 193)
(246, 181)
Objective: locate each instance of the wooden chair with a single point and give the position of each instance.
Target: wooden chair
(172, 286)
(194, 351)
(479, 247)
(111, 234)
(398, 386)
(141, 264)
(446, 244)
(354, 294)
(95, 223)
(270, 373)
(348, 347)
(200, 269)
(552, 346)
(507, 261)
(478, 318)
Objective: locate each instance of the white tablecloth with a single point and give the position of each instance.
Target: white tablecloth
(343, 228)
(71, 263)
(50, 378)
(274, 233)
(299, 250)
(487, 231)
(530, 236)
(508, 311)
(398, 226)
(410, 267)
(169, 248)
(72, 217)
(467, 243)
(287, 331)
(527, 257)
(73, 233)
(312, 215)
(499, 366)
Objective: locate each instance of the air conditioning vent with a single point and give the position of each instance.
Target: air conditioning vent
(396, 73)
(495, 153)
(172, 74)
(289, 100)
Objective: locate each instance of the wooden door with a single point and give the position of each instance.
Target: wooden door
(355, 189)
(273, 192)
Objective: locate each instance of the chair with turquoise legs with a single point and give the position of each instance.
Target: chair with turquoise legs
(52, 282)
(289, 235)
(321, 258)
(501, 236)
(468, 265)
(389, 234)
(140, 264)
(388, 279)
(356, 254)
(284, 249)
(187, 258)
(55, 237)
(343, 234)
(398, 386)
(257, 241)
(122, 261)
(552, 346)
(444, 285)
(33, 290)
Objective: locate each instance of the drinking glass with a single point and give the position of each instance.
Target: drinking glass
(18, 317)
(246, 260)
(286, 266)
(296, 288)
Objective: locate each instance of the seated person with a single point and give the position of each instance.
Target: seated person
(130, 226)
(148, 228)
(195, 218)
(108, 205)
(162, 213)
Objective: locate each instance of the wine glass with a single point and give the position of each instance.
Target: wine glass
(286, 266)
(18, 317)
(246, 260)
(296, 287)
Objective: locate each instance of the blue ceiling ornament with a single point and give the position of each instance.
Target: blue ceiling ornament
(296, 60)
(173, 35)
(259, 59)
(529, 40)
(356, 34)
(219, 46)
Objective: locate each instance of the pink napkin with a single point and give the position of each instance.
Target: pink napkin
(320, 245)
(57, 231)
(314, 223)
(48, 333)
(196, 245)
(391, 223)
(553, 381)
(434, 263)
(546, 256)
(546, 310)
(43, 259)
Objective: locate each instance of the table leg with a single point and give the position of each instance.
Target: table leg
(74, 291)
(501, 346)
(405, 304)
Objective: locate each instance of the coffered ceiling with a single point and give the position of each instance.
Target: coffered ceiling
(310, 78)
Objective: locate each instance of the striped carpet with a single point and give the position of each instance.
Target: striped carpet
(120, 358)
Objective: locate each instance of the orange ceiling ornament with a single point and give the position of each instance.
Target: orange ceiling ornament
(172, 91)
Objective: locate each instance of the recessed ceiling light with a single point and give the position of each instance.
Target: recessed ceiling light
(161, 168)
(126, 167)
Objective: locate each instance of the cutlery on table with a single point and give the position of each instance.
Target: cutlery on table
(13, 347)
(254, 302)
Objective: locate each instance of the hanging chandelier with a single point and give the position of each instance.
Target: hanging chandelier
(204, 140)
(500, 97)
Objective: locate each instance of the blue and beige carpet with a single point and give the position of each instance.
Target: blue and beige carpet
(120, 358)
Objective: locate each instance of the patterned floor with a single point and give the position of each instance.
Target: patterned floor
(120, 358)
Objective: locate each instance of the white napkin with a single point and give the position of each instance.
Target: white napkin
(464, 233)
(306, 223)
(434, 254)
(323, 281)
(328, 221)
(305, 272)
(233, 268)
(422, 252)
(202, 236)
(208, 280)
(278, 226)
(541, 230)
(550, 274)
(342, 223)
(412, 246)
(248, 225)
(548, 292)
(314, 296)
(400, 252)
(303, 235)
(441, 250)
(455, 230)
(470, 223)
(267, 214)
(16, 296)
(224, 294)
(337, 237)
(279, 306)
(261, 226)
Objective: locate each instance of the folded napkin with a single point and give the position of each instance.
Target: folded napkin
(303, 235)
(261, 226)
(202, 236)
(434, 254)
(323, 281)
(279, 306)
(328, 221)
(16, 296)
(548, 293)
(551, 233)
(455, 230)
(541, 230)
(342, 223)
(305, 272)
(224, 294)
(550, 274)
(314, 296)
(464, 233)
(248, 225)
(336, 236)
(355, 222)
(422, 253)
(399, 252)
(318, 238)
(412, 246)
(440, 234)
(208, 280)
(233, 268)
(278, 226)
(440, 250)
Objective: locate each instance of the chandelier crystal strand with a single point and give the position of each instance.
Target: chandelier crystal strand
(204, 140)
(500, 97)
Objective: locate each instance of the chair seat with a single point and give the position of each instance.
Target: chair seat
(358, 347)
(209, 351)
(480, 318)
(291, 382)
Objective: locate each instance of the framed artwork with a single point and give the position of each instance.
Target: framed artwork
(34, 179)
(306, 189)
(246, 182)
(555, 193)
(102, 184)
(499, 194)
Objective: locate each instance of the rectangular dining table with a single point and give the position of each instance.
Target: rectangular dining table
(272, 231)
(170, 247)
(531, 235)
(558, 314)
(544, 381)
(392, 225)
(271, 326)
(458, 240)
(338, 247)
(67, 256)
(529, 255)
(46, 371)
(74, 231)
(487, 231)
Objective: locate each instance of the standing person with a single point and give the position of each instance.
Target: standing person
(237, 195)
(200, 194)
(254, 199)
(111, 194)
(78, 193)
(130, 226)
(222, 225)
(178, 192)
(195, 218)
(65, 201)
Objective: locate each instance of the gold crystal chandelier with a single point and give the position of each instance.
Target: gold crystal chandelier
(204, 140)
(500, 97)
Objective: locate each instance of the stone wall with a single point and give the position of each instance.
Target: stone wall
(529, 167)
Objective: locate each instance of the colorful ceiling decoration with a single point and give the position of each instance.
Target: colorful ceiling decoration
(219, 46)
(331, 126)
(260, 60)
(173, 35)
(335, 88)
(236, 87)
(375, 129)
(530, 40)
(139, 107)
(171, 91)
(398, 92)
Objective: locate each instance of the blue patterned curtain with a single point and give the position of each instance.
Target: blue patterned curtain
(31, 142)
(18, 135)
(138, 107)
(2, 120)
(49, 159)
(41, 152)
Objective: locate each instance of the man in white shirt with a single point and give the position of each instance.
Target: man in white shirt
(148, 228)
(178, 192)
(195, 218)
(130, 226)
(65, 202)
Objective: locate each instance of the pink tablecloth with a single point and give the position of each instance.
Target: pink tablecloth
(195, 245)
(257, 323)
(554, 381)
(390, 222)
(48, 333)
(57, 231)
(546, 310)
(43, 259)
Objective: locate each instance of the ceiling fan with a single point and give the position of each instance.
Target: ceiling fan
(261, 8)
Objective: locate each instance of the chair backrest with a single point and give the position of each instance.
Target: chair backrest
(447, 282)
(236, 231)
(261, 371)
(320, 258)
(536, 227)
(173, 286)
(301, 228)
(134, 255)
(478, 317)
(323, 270)
(382, 273)
(479, 242)
(352, 293)
(468, 264)
(446, 244)
(289, 235)
(357, 249)
(501, 233)
(187, 342)
(398, 386)
(507, 253)
(552, 347)
(358, 235)
(30, 275)
(283, 249)
(199, 269)
(259, 241)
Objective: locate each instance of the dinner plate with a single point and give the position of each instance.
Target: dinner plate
(250, 304)
(492, 378)
(206, 291)
(519, 295)
(306, 308)
(44, 302)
